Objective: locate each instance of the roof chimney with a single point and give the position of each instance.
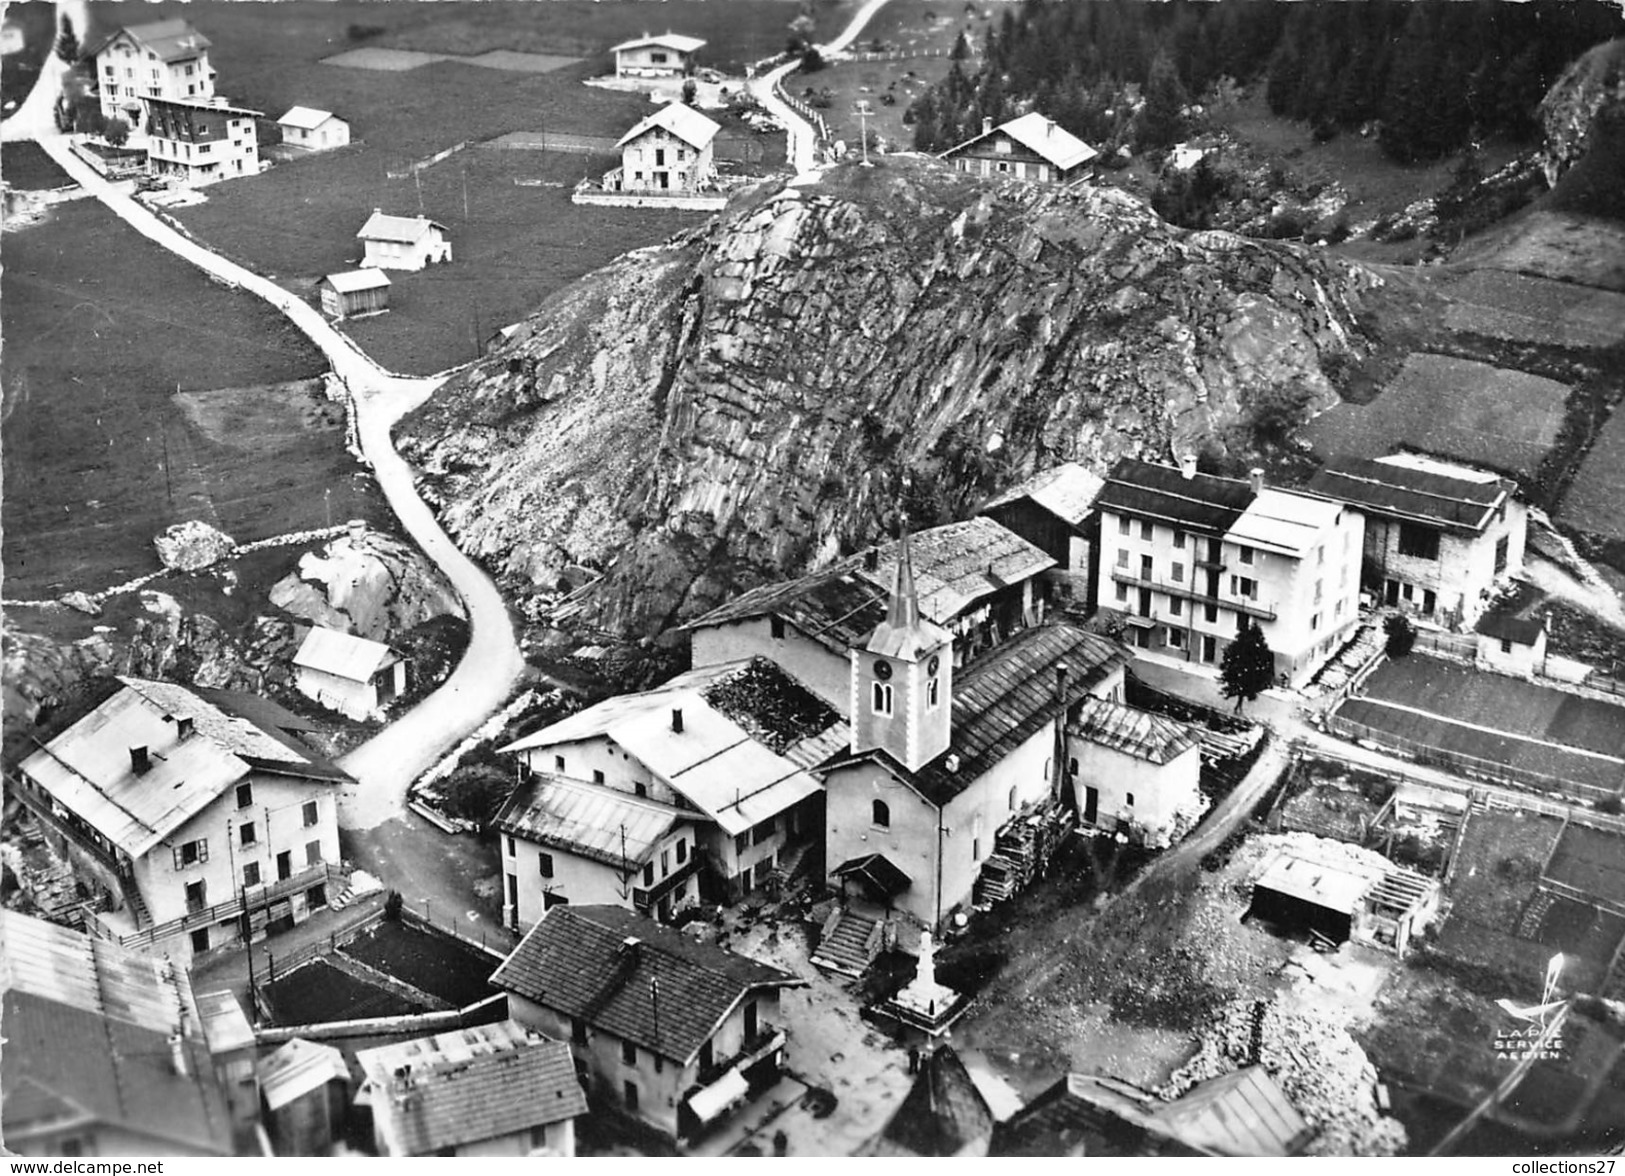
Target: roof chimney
(184, 726)
(629, 946)
(987, 126)
(357, 530)
(952, 762)
(871, 559)
(1256, 477)
(677, 719)
(1060, 681)
(140, 761)
(1187, 466)
(177, 1054)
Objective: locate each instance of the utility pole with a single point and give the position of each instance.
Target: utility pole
(465, 193)
(417, 178)
(863, 111)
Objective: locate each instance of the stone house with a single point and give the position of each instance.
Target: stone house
(166, 59)
(1188, 559)
(1135, 772)
(1031, 147)
(403, 242)
(1512, 644)
(668, 55)
(670, 152)
(1438, 535)
(187, 807)
(1054, 511)
(667, 1030)
(349, 674)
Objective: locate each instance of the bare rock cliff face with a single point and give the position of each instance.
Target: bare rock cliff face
(1592, 85)
(756, 396)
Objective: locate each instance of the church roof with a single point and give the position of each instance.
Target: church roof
(943, 1114)
(904, 633)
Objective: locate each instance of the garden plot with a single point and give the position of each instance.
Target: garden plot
(1569, 247)
(1594, 499)
(1592, 861)
(1456, 408)
(455, 972)
(1523, 309)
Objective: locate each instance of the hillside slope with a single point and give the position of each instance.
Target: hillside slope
(758, 395)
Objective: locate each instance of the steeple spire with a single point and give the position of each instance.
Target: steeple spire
(903, 610)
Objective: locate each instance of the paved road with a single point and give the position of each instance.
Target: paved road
(37, 114)
(387, 764)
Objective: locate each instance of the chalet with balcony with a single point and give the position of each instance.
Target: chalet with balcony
(722, 754)
(1054, 511)
(672, 1032)
(166, 59)
(1031, 147)
(104, 1054)
(668, 55)
(201, 142)
(198, 813)
(1438, 535)
(668, 153)
(488, 1091)
(1189, 558)
(976, 579)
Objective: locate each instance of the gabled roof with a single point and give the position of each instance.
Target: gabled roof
(206, 105)
(225, 1025)
(468, 1086)
(664, 992)
(1067, 491)
(1336, 886)
(332, 651)
(673, 41)
(1283, 522)
(1001, 700)
(1151, 737)
(943, 1114)
(381, 226)
(956, 566)
(1438, 493)
(305, 118)
(1242, 1114)
(723, 763)
(684, 122)
(87, 768)
(350, 281)
(88, 1029)
(1510, 626)
(1202, 502)
(298, 1068)
(589, 820)
(1087, 1114)
(171, 40)
(1041, 136)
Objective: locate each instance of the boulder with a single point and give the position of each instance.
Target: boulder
(81, 602)
(369, 584)
(192, 546)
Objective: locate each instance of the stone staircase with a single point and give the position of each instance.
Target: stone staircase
(1367, 641)
(850, 943)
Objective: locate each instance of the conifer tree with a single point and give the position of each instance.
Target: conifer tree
(1248, 667)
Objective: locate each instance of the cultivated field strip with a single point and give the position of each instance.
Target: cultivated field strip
(1595, 501)
(1523, 309)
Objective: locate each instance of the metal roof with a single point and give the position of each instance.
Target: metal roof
(381, 226)
(1043, 137)
(88, 1028)
(1439, 493)
(343, 655)
(1151, 737)
(588, 820)
(673, 41)
(1285, 523)
(305, 118)
(715, 762)
(685, 122)
(171, 40)
(1067, 491)
(350, 281)
(625, 974)
(1201, 502)
(1241, 1114)
(1339, 887)
(468, 1086)
(298, 1068)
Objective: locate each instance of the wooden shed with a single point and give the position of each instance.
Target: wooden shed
(305, 1087)
(362, 291)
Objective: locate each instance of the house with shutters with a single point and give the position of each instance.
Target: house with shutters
(976, 579)
(1189, 559)
(1054, 511)
(199, 142)
(722, 756)
(1439, 536)
(940, 760)
(664, 1029)
(187, 810)
(403, 242)
(167, 59)
(1031, 147)
(488, 1091)
(670, 152)
(668, 55)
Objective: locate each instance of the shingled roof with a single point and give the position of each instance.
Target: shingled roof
(1145, 489)
(629, 976)
(1002, 700)
(1141, 734)
(1067, 491)
(589, 820)
(943, 1114)
(1432, 492)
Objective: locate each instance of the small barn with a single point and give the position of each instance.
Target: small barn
(1512, 643)
(403, 242)
(354, 292)
(666, 56)
(314, 130)
(305, 1091)
(1301, 894)
(351, 675)
(1054, 511)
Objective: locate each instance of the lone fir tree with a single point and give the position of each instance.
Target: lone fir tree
(1248, 667)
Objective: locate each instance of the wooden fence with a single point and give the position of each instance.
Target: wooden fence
(1461, 646)
(890, 54)
(819, 127)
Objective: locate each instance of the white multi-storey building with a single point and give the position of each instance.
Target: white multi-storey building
(1191, 558)
(164, 59)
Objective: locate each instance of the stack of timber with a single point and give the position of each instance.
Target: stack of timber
(1022, 850)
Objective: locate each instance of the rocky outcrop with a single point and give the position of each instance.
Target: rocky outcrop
(758, 395)
(369, 584)
(41, 672)
(1591, 88)
(192, 546)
